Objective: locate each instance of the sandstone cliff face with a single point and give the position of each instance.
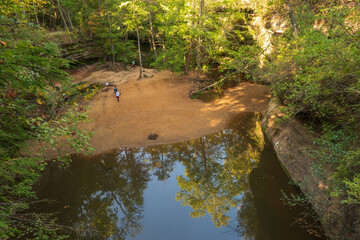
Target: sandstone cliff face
(81, 47)
(82, 51)
(265, 29)
(291, 141)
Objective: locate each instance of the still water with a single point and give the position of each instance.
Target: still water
(223, 186)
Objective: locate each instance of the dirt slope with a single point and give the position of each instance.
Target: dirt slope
(160, 105)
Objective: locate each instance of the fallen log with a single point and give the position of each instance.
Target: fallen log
(221, 80)
(215, 83)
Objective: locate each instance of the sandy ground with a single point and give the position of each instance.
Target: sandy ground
(160, 105)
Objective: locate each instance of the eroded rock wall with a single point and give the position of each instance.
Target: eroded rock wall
(82, 51)
(291, 141)
(80, 47)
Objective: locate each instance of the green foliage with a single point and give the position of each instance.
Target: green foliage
(294, 200)
(222, 32)
(37, 93)
(352, 190)
(40, 227)
(171, 58)
(37, 109)
(175, 30)
(18, 175)
(125, 51)
(318, 74)
(243, 59)
(338, 151)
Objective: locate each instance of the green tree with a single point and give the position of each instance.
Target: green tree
(316, 75)
(37, 103)
(135, 14)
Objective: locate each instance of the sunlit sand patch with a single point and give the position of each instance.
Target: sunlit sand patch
(160, 104)
(215, 122)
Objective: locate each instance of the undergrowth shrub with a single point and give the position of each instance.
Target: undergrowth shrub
(316, 75)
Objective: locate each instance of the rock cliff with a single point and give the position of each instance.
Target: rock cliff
(291, 141)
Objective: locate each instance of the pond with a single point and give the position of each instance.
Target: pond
(226, 185)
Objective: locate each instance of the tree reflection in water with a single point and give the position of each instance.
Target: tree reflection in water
(263, 215)
(161, 164)
(217, 173)
(106, 201)
(101, 202)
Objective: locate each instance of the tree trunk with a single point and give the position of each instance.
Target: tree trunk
(198, 64)
(163, 46)
(99, 13)
(43, 17)
(292, 17)
(55, 19)
(186, 71)
(69, 18)
(35, 12)
(138, 37)
(50, 17)
(23, 14)
(99, 9)
(150, 41)
(50, 22)
(203, 151)
(151, 32)
(62, 16)
(199, 42)
(112, 42)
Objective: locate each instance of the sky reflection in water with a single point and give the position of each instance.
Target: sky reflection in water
(222, 186)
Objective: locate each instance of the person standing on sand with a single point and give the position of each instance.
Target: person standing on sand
(117, 94)
(115, 90)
